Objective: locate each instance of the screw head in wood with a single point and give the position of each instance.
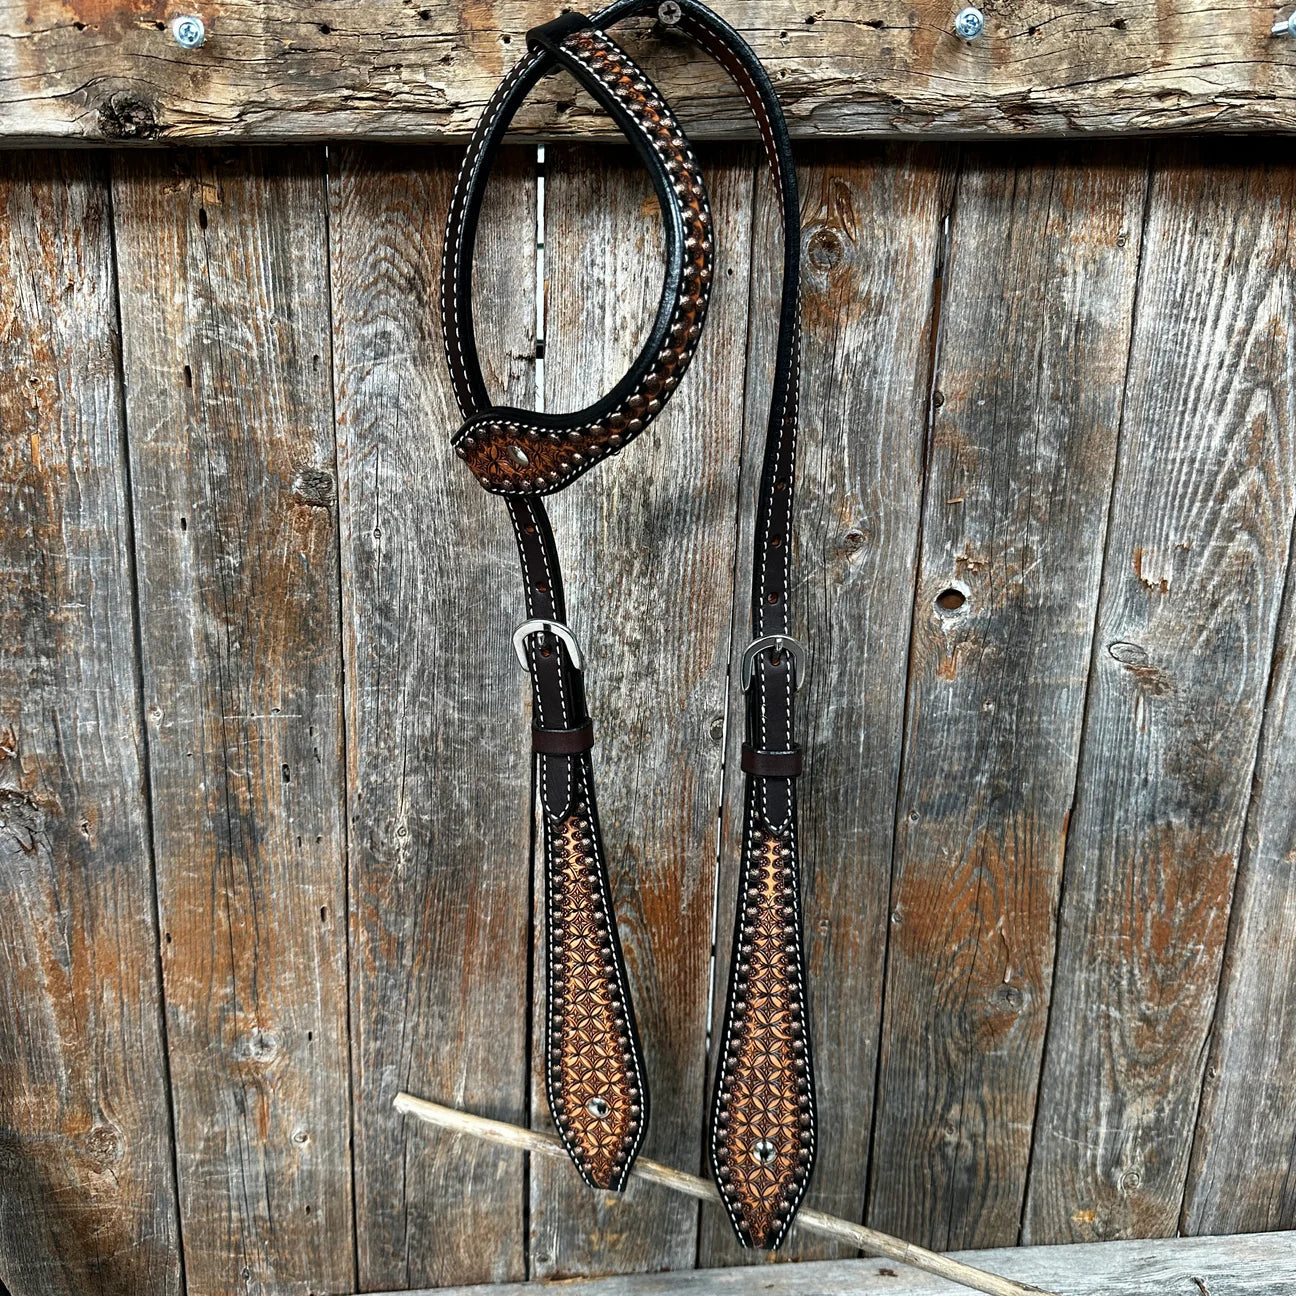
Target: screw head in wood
(669, 13)
(1285, 28)
(189, 31)
(969, 23)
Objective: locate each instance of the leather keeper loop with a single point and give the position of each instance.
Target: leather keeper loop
(547, 35)
(562, 742)
(771, 764)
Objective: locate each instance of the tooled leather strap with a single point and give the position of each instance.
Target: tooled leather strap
(762, 1140)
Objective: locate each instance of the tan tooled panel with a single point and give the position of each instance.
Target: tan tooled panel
(595, 1090)
(763, 1140)
(522, 459)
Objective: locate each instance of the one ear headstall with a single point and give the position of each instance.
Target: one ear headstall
(762, 1140)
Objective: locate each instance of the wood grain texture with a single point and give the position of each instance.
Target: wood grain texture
(1255, 1265)
(85, 70)
(866, 309)
(646, 544)
(1197, 549)
(87, 1201)
(1038, 303)
(224, 303)
(1243, 1170)
(439, 757)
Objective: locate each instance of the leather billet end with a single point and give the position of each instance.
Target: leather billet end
(594, 1070)
(763, 1110)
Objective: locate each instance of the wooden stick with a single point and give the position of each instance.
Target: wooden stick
(812, 1221)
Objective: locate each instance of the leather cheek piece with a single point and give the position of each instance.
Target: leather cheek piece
(771, 764)
(562, 742)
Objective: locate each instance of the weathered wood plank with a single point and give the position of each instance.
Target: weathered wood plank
(866, 375)
(1255, 1265)
(87, 1201)
(439, 760)
(89, 71)
(1243, 1172)
(224, 301)
(647, 550)
(1197, 548)
(1038, 305)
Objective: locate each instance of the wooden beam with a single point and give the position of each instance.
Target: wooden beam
(224, 304)
(87, 1198)
(88, 71)
(440, 910)
(1197, 545)
(1029, 383)
(1257, 1264)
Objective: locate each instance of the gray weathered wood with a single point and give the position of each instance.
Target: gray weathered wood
(1254, 1265)
(1243, 1172)
(224, 303)
(313, 70)
(867, 306)
(1038, 302)
(1196, 555)
(439, 760)
(87, 1201)
(647, 548)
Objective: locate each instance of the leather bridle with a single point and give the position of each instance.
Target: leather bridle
(762, 1134)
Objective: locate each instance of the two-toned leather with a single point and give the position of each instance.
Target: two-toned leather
(762, 1132)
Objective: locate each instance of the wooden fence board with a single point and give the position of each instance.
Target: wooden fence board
(440, 818)
(647, 549)
(1255, 1265)
(1198, 542)
(224, 302)
(1242, 1175)
(867, 306)
(1038, 303)
(311, 70)
(86, 1195)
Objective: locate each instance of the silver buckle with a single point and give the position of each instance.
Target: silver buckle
(555, 628)
(778, 643)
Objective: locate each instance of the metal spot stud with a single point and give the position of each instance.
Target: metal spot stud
(969, 23)
(764, 1151)
(597, 1107)
(519, 455)
(189, 31)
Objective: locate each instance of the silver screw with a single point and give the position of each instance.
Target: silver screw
(969, 23)
(189, 31)
(669, 13)
(1286, 28)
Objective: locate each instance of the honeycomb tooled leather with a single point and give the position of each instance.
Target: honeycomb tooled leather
(593, 1075)
(762, 1146)
(517, 457)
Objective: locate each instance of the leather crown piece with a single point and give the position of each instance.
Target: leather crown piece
(762, 1124)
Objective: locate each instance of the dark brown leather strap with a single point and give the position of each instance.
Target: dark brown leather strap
(762, 1139)
(771, 764)
(563, 742)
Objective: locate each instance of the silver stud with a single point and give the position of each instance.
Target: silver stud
(598, 1108)
(519, 455)
(764, 1151)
